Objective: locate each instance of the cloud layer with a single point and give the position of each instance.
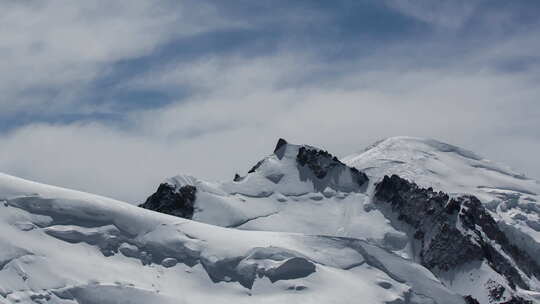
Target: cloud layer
(111, 99)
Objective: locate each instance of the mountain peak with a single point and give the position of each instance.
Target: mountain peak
(434, 163)
(281, 142)
(304, 163)
(420, 144)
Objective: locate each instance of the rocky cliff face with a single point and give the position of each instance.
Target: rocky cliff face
(171, 200)
(452, 232)
(322, 164)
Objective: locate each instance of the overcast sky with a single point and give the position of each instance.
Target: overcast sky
(111, 97)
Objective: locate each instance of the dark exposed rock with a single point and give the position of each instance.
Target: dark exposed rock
(319, 161)
(322, 164)
(517, 300)
(452, 206)
(496, 295)
(419, 235)
(473, 215)
(257, 165)
(237, 177)
(278, 151)
(173, 201)
(453, 231)
(495, 290)
(470, 300)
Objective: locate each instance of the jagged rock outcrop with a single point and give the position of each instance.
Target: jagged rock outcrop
(172, 200)
(454, 231)
(237, 177)
(281, 142)
(321, 163)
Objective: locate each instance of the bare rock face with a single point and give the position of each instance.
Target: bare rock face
(432, 215)
(454, 231)
(174, 201)
(325, 170)
(321, 163)
(281, 142)
(237, 177)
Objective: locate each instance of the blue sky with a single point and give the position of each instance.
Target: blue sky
(112, 97)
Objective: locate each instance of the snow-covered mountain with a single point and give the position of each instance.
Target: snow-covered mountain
(301, 226)
(479, 236)
(511, 198)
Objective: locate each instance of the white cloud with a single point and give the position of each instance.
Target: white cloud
(61, 45)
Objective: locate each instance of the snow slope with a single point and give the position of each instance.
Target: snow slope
(64, 246)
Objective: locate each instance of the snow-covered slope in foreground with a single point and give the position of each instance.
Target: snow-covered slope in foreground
(63, 246)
